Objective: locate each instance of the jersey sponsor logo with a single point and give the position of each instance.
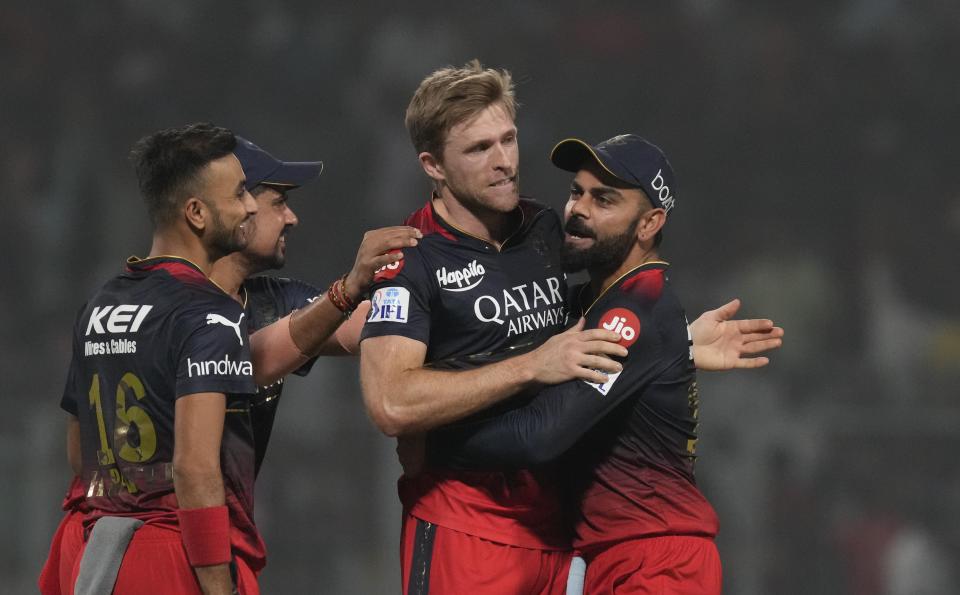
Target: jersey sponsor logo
(388, 271)
(223, 367)
(465, 279)
(623, 322)
(389, 304)
(524, 308)
(218, 319)
(663, 191)
(111, 347)
(124, 318)
(604, 388)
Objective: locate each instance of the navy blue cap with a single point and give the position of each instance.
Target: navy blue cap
(261, 167)
(628, 158)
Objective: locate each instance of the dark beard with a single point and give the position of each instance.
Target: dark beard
(273, 261)
(606, 254)
(223, 241)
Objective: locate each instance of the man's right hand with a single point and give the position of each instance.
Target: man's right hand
(379, 248)
(577, 354)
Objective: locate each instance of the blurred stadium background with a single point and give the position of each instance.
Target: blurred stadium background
(812, 144)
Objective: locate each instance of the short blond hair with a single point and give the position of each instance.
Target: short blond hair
(450, 96)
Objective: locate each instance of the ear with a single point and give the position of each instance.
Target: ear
(650, 223)
(432, 166)
(196, 212)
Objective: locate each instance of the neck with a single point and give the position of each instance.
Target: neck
(230, 271)
(638, 256)
(182, 244)
(488, 225)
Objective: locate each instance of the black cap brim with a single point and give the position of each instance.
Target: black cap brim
(293, 174)
(571, 153)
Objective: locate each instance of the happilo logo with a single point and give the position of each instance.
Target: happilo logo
(223, 367)
(461, 279)
(663, 191)
(218, 319)
(623, 322)
(124, 318)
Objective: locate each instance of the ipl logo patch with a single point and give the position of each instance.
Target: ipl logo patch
(389, 304)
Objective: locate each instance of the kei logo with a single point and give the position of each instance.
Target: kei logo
(218, 319)
(623, 322)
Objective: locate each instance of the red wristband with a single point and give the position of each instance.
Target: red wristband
(205, 533)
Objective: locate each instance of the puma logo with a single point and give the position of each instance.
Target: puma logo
(217, 319)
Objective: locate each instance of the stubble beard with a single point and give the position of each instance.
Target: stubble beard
(480, 205)
(223, 240)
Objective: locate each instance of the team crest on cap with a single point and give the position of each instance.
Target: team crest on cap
(623, 322)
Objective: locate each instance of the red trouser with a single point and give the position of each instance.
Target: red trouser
(671, 565)
(64, 551)
(155, 563)
(441, 561)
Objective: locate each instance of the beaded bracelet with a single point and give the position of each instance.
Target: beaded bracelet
(338, 296)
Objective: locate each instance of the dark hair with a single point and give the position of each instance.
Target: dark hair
(169, 162)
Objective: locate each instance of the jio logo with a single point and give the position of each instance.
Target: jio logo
(623, 322)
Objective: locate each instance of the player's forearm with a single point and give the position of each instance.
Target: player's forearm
(280, 348)
(346, 339)
(534, 434)
(420, 399)
(214, 580)
(199, 489)
(312, 326)
(197, 485)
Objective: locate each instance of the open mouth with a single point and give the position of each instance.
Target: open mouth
(578, 231)
(504, 182)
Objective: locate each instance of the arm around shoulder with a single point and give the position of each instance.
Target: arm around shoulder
(403, 397)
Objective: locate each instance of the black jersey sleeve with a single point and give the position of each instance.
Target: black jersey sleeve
(400, 300)
(546, 426)
(214, 355)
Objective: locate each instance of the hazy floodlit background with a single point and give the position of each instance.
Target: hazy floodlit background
(814, 145)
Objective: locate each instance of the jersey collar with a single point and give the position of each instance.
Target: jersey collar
(583, 293)
(178, 267)
(432, 221)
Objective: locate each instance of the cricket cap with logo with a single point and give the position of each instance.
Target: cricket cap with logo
(261, 167)
(628, 158)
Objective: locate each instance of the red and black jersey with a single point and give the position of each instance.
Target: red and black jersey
(628, 445)
(269, 299)
(157, 332)
(472, 304)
